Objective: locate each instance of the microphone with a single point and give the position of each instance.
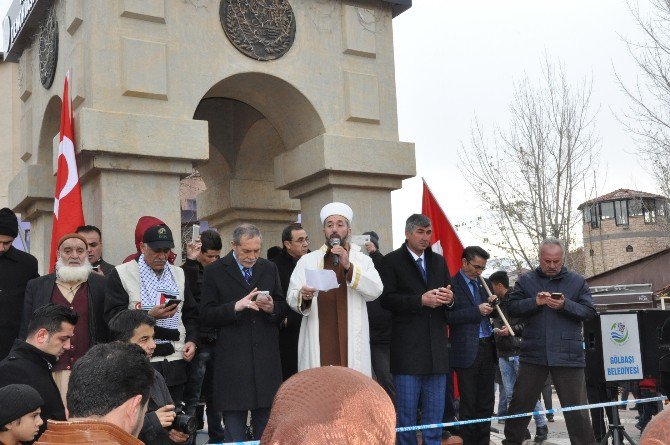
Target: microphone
(335, 242)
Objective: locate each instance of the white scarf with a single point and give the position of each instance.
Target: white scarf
(153, 291)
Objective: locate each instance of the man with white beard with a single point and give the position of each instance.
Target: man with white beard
(73, 286)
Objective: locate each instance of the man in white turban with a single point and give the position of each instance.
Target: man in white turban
(335, 328)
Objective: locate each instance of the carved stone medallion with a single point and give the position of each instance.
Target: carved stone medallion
(48, 49)
(260, 29)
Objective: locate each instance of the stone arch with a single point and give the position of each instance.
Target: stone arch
(48, 131)
(252, 118)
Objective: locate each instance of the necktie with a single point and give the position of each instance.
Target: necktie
(419, 262)
(247, 274)
(485, 325)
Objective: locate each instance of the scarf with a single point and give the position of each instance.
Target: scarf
(154, 290)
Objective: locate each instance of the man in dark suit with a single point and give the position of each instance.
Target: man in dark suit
(242, 297)
(16, 269)
(417, 291)
(295, 244)
(471, 347)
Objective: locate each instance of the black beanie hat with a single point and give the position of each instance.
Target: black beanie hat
(9, 226)
(16, 401)
(374, 238)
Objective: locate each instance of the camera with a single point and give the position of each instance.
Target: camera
(183, 422)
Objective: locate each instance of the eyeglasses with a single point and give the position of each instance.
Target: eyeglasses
(477, 267)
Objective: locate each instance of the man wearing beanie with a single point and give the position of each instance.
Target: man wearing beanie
(334, 330)
(20, 419)
(75, 287)
(16, 269)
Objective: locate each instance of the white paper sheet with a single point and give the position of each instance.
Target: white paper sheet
(321, 280)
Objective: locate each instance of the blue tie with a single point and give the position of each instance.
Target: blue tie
(419, 262)
(484, 326)
(247, 274)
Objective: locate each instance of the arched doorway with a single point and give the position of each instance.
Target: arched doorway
(252, 118)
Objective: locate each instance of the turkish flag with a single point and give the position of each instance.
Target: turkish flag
(444, 239)
(68, 212)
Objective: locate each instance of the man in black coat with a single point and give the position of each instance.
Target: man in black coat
(295, 244)
(417, 291)
(201, 253)
(50, 331)
(380, 326)
(16, 269)
(242, 297)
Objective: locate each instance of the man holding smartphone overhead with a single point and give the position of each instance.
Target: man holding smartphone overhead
(553, 302)
(152, 284)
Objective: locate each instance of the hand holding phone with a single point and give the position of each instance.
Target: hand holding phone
(556, 295)
(171, 302)
(262, 295)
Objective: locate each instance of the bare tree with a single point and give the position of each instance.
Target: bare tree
(648, 117)
(528, 175)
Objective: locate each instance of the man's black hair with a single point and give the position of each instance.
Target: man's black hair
(470, 252)
(287, 233)
(500, 277)
(51, 317)
(106, 377)
(89, 229)
(122, 326)
(211, 240)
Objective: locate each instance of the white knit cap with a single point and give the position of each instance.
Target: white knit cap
(336, 208)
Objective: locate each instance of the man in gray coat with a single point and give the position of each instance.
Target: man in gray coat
(553, 302)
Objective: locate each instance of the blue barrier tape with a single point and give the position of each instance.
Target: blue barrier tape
(511, 416)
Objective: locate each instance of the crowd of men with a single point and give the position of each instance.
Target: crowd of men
(131, 344)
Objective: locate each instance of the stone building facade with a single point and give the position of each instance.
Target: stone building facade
(160, 87)
(623, 226)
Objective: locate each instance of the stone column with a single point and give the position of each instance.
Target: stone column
(359, 172)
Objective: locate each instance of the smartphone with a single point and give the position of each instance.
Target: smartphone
(556, 295)
(195, 234)
(261, 296)
(96, 268)
(171, 302)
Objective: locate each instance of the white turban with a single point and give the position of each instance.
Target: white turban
(336, 208)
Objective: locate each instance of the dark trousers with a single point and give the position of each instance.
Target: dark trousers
(200, 371)
(546, 394)
(236, 424)
(477, 392)
(597, 393)
(571, 389)
(380, 355)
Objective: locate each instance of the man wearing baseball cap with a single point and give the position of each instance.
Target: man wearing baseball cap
(153, 285)
(16, 269)
(335, 328)
(20, 419)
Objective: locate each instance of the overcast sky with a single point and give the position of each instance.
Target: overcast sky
(457, 59)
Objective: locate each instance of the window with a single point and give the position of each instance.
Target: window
(635, 207)
(662, 208)
(595, 217)
(649, 210)
(607, 210)
(621, 213)
(587, 214)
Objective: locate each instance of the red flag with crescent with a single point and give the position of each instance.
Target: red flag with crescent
(68, 211)
(444, 240)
